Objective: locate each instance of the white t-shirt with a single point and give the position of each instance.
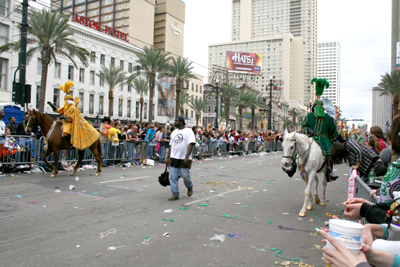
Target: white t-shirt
(180, 140)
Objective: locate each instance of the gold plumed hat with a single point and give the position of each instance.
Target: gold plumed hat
(66, 89)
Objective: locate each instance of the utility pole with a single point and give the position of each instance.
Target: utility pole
(216, 108)
(270, 103)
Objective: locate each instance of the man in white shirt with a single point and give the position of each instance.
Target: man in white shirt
(179, 157)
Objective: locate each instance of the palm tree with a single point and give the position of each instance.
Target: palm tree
(228, 94)
(242, 101)
(141, 86)
(181, 69)
(255, 102)
(151, 61)
(48, 35)
(390, 85)
(198, 105)
(185, 98)
(112, 76)
(287, 122)
(294, 112)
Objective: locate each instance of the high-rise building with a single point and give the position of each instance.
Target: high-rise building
(256, 19)
(328, 67)
(141, 22)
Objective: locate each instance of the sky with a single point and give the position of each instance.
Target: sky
(363, 29)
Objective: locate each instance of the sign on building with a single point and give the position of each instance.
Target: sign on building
(244, 62)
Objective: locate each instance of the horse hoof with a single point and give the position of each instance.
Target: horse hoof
(309, 207)
(317, 200)
(323, 203)
(302, 214)
(72, 173)
(53, 175)
(97, 174)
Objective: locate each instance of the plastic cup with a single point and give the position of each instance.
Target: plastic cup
(354, 250)
(349, 230)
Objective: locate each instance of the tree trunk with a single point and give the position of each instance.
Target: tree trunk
(151, 111)
(43, 84)
(395, 105)
(197, 119)
(252, 117)
(178, 96)
(240, 117)
(141, 109)
(110, 103)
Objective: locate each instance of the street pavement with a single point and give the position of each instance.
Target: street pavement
(123, 206)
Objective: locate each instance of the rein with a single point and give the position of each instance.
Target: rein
(46, 139)
(301, 166)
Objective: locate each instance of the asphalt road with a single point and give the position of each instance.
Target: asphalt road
(123, 206)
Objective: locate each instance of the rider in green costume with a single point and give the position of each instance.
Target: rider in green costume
(322, 127)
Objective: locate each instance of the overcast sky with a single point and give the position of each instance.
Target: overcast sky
(362, 28)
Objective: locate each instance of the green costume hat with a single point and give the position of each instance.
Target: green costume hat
(320, 85)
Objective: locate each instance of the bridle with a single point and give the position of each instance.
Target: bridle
(293, 158)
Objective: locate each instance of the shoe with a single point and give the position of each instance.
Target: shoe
(190, 192)
(331, 177)
(172, 198)
(157, 155)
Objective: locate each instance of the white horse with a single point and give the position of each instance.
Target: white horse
(311, 161)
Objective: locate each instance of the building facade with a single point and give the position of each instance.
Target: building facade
(281, 58)
(381, 111)
(195, 91)
(257, 19)
(92, 91)
(328, 67)
(145, 22)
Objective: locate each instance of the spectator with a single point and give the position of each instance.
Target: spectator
(179, 157)
(150, 135)
(25, 142)
(12, 126)
(131, 141)
(377, 132)
(104, 138)
(373, 144)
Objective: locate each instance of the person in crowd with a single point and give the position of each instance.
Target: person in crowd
(377, 132)
(105, 125)
(158, 138)
(143, 133)
(131, 141)
(179, 157)
(12, 126)
(150, 135)
(25, 142)
(373, 144)
(359, 156)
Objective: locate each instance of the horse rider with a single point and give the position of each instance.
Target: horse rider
(322, 127)
(76, 130)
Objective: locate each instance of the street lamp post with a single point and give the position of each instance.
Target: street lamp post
(216, 108)
(273, 123)
(270, 103)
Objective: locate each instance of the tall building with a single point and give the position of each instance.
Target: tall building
(140, 22)
(281, 58)
(328, 67)
(256, 19)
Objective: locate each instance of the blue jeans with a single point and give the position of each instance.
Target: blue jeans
(149, 149)
(161, 152)
(174, 174)
(131, 151)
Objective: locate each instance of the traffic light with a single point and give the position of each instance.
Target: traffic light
(21, 95)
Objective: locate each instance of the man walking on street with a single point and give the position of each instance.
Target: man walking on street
(179, 157)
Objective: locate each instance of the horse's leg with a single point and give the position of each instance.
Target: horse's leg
(56, 157)
(96, 150)
(310, 198)
(307, 193)
(78, 164)
(46, 154)
(324, 182)
(317, 200)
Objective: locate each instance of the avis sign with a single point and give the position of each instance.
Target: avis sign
(244, 62)
(97, 26)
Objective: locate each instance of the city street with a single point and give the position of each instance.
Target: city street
(123, 206)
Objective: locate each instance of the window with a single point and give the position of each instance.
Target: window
(94, 4)
(37, 96)
(3, 32)
(101, 81)
(128, 4)
(128, 107)
(127, 13)
(121, 86)
(4, 5)
(108, 9)
(102, 59)
(120, 6)
(56, 97)
(82, 75)
(121, 64)
(192, 86)
(91, 103)
(137, 110)
(92, 77)
(130, 67)
(120, 103)
(70, 72)
(80, 8)
(39, 66)
(201, 89)
(112, 61)
(126, 20)
(94, 12)
(80, 105)
(127, 29)
(106, 2)
(197, 88)
(101, 105)
(57, 70)
(191, 113)
(145, 111)
(93, 57)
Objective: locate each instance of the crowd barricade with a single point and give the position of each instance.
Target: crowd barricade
(362, 190)
(16, 151)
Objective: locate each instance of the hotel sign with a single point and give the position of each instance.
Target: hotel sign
(244, 62)
(97, 26)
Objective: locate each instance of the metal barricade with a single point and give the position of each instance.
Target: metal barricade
(363, 190)
(17, 152)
